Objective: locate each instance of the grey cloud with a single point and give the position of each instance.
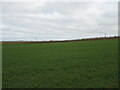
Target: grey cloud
(58, 20)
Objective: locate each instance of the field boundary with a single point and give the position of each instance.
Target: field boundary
(52, 41)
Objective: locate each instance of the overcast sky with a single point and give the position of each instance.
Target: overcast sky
(58, 20)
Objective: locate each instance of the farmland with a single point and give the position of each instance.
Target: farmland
(81, 64)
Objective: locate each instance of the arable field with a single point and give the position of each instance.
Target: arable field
(82, 64)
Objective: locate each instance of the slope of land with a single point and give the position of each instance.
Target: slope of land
(89, 64)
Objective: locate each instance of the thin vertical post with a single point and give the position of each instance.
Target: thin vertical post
(105, 35)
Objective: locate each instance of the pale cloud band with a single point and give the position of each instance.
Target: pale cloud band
(99, 1)
(58, 20)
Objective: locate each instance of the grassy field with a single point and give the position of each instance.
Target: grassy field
(86, 64)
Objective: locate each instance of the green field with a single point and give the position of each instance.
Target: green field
(85, 64)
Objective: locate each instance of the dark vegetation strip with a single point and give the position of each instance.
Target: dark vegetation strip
(88, 39)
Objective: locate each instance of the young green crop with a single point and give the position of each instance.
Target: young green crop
(85, 64)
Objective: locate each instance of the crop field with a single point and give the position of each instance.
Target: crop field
(81, 64)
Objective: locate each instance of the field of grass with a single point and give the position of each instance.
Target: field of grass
(86, 64)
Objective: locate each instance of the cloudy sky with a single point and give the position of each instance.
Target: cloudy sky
(58, 20)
